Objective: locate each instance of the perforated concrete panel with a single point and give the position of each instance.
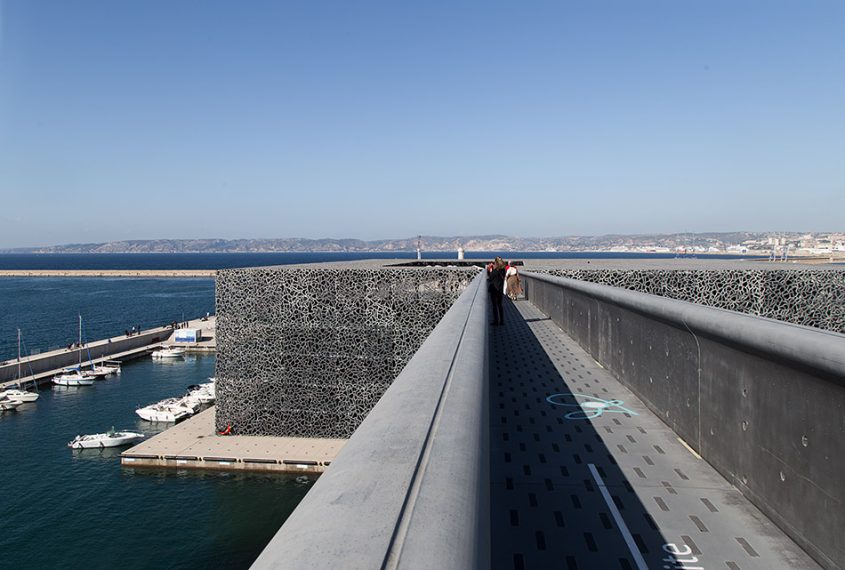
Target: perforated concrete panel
(309, 351)
(814, 298)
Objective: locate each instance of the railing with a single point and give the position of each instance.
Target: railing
(411, 487)
(761, 400)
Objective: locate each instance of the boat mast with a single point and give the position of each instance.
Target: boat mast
(19, 356)
(80, 342)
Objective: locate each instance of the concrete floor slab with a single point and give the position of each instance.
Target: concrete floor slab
(195, 444)
(585, 476)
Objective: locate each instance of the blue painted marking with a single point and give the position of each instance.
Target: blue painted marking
(588, 407)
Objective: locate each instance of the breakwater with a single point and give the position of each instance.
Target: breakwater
(110, 273)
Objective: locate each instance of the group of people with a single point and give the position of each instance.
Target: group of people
(502, 279)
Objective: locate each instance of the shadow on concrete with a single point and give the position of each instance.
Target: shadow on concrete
(558, 498)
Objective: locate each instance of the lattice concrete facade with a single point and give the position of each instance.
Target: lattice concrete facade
(308, 351)
(809, 297)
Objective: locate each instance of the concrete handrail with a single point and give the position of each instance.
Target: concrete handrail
(800, 346)
(411, 487)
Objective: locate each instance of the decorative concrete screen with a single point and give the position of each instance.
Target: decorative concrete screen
(814, 298)
(308, 352)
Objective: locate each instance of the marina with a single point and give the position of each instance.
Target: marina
(41, 368)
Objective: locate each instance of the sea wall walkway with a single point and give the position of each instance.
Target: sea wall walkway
(511, 447)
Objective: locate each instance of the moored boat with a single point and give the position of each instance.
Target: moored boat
(19, 395)
(111, 438)
(169, 410)
(169, 352)
(105, 369)
(7, 405)
(73, 377)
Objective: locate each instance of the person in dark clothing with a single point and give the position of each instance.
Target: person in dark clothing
(496, 289)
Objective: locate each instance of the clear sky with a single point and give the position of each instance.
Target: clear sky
(188, 119)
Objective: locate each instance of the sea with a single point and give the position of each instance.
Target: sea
(81, 509)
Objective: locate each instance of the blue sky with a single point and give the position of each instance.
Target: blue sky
(160, 119)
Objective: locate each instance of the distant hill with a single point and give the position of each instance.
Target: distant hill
(427, 243)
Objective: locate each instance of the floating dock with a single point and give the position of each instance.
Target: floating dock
(194, 444)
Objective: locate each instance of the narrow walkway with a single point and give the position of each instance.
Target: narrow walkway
(584, 476)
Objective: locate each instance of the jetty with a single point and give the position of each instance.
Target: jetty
(41, 368)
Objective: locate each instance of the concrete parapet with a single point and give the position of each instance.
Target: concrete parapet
(804, 296)
(760, 400)
(411, 487)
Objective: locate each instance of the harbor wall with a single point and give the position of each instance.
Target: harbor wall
(57, 359)
(308, 351)
(760, 400)
(810, 297)
(411, 488)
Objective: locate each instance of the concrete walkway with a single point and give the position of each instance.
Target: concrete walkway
(615, 490)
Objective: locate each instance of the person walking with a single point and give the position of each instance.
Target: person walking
(513, 282)
(495, 287)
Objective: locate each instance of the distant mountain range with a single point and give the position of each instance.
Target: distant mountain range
(427, 243)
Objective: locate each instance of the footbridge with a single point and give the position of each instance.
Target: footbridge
(599, 428)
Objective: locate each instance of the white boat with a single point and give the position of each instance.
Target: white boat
(15, 393)
(75, 376)
(19, 395)
(105, 369)
(109, 439)
(7, 405)
(169, 352)
(169, 410)
(202, 393)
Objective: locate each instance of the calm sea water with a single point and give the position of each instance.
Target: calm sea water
(80, 509)
(229, 260)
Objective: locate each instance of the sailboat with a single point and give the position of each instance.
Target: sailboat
(74, 376)
(15, 394)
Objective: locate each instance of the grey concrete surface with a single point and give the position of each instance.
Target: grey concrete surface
(761, 401)
(617, 490)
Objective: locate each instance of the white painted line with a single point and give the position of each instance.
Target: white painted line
(690, 449)
(620, 522)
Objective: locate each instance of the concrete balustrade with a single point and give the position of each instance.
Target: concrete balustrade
(760, 400)
(411, 487)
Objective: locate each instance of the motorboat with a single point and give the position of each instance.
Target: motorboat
(7, 405)
(111, 438)
(73, 377)
(169, 410)
(203, 393)
(19, 395)
(169, 352)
